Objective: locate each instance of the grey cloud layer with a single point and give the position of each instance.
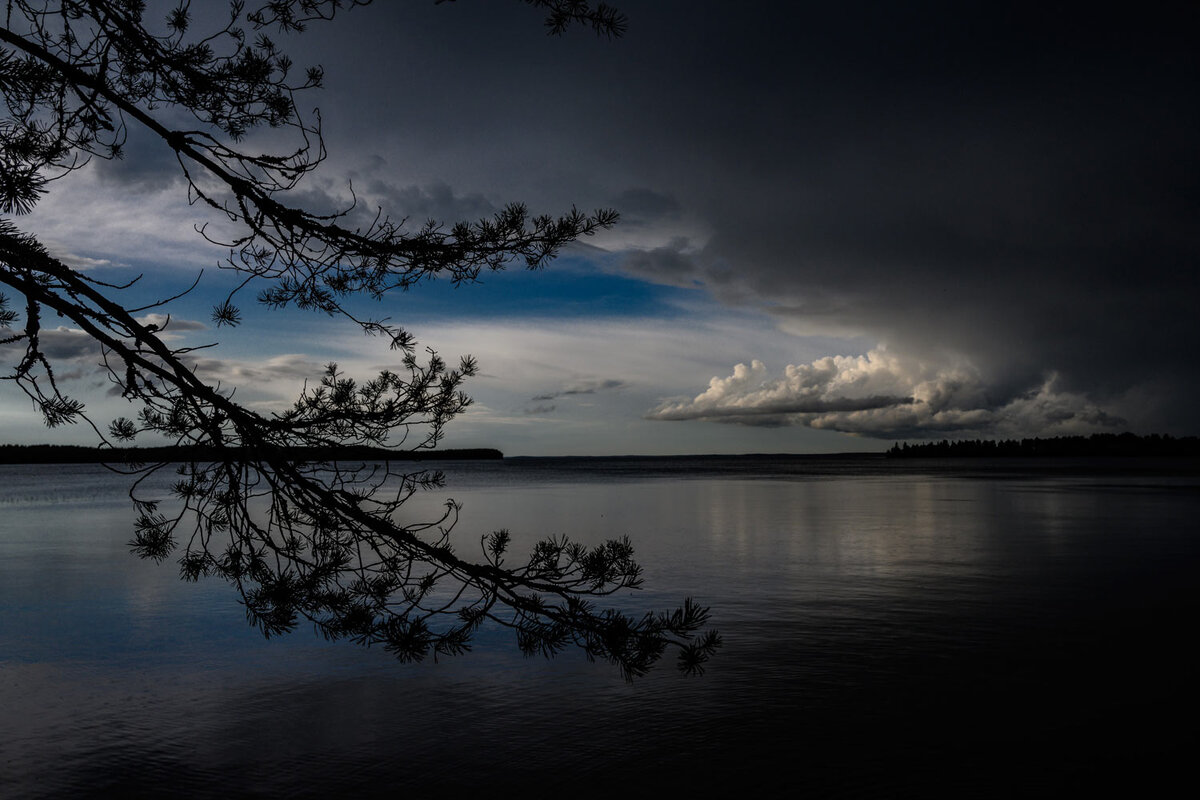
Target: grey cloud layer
(581, 387)
(540, 403)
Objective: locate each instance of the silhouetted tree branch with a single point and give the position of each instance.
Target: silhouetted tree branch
(298, 540)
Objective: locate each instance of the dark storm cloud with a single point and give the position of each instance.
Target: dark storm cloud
(1019, 189)
(1012, 186)
(437, 201)
(369, 191)
(669, 264)
(1016, 185)
(640, 206)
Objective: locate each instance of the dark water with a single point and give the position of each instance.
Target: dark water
(892, 629)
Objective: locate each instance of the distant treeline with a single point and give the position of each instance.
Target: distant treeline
(1098, 444)
(74, 454)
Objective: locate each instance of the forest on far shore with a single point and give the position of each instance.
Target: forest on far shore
(74, 454)
(1096, 445)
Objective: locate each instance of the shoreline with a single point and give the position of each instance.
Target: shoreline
(77, 454)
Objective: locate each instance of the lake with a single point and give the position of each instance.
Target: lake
(891, 628)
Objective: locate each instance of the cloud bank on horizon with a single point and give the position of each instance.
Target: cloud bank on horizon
(880, 395)
(929, 219)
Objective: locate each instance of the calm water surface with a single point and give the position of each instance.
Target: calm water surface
(913, 628)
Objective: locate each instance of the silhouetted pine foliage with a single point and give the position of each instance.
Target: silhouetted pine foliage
(301, 539)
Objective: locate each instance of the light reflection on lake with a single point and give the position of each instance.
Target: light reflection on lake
(889, 630)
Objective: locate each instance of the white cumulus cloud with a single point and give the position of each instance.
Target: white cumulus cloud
(881, 394)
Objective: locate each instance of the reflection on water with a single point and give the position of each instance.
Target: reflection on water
(912, 632)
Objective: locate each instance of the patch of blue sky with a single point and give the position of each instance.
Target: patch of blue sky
(569, 288)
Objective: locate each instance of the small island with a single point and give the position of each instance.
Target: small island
(76, 454)
(1098, 445)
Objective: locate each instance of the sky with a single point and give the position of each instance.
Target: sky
(842, 225)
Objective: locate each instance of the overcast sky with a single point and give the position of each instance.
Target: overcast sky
(843, 224)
